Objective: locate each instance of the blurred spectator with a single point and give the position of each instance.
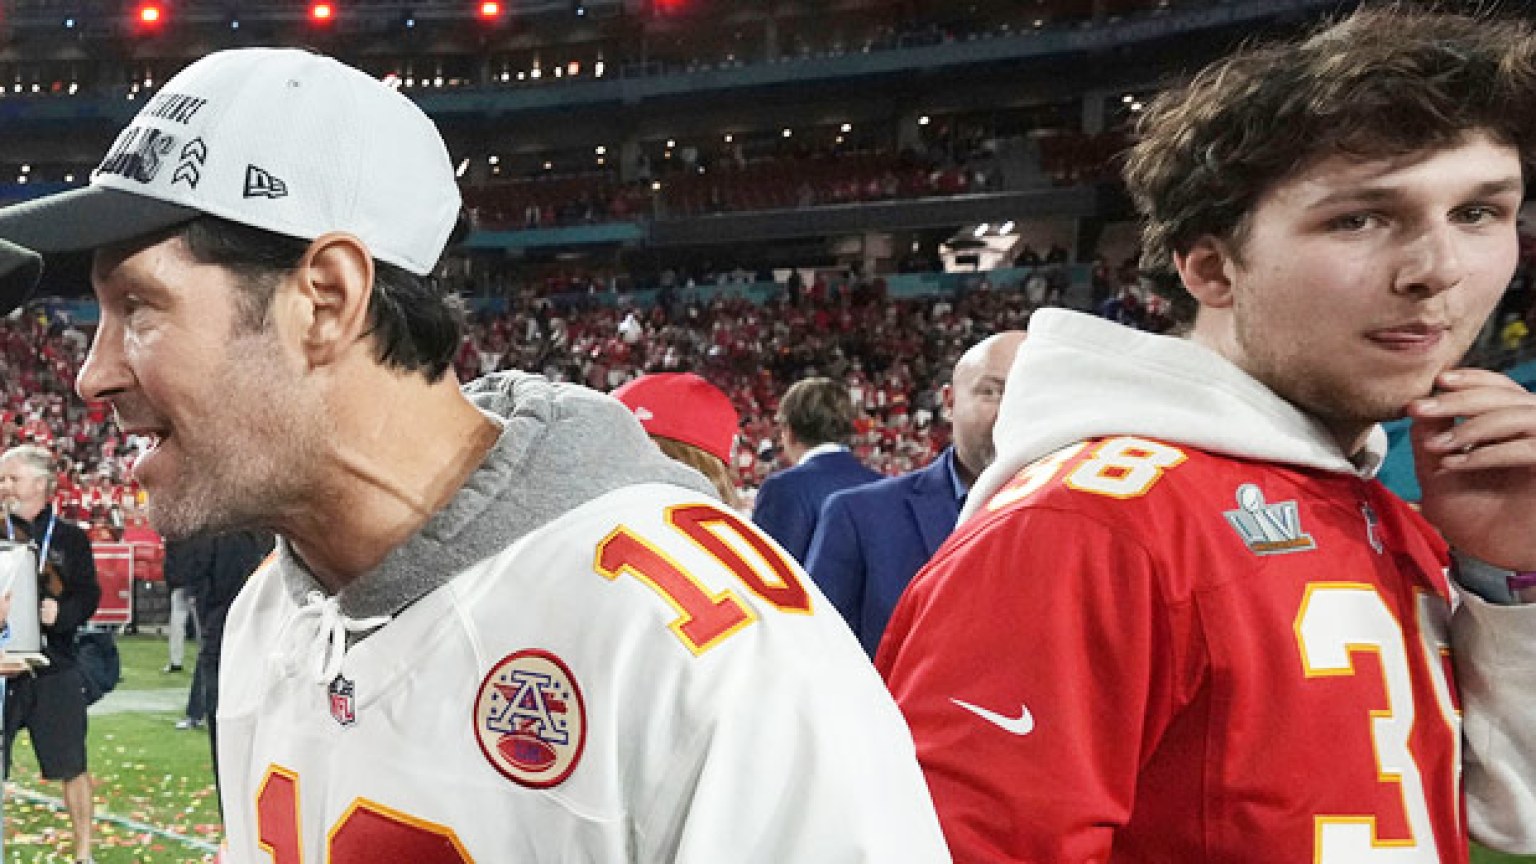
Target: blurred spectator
(692, 421)
(51, 703)
(815, 421)
(1513, 334)
(872, 539)
(180, 561)
(221, 564)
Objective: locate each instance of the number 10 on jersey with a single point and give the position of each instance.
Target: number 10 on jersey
(705, 619)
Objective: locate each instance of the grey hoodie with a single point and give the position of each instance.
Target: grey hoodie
(561, 445)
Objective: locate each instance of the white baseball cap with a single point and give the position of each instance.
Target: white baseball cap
(275, 138)
(19, 269)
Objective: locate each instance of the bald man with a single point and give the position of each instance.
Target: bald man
(871, 540)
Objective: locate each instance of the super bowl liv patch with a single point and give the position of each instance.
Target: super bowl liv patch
(1268, 529)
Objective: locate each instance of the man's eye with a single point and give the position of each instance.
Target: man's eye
(1352, 222)
(1477, 214)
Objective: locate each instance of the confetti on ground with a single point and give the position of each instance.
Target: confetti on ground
(155, 798)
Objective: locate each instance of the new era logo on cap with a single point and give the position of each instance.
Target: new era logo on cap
(261, 184)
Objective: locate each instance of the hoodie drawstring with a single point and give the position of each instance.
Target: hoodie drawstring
(328, 640)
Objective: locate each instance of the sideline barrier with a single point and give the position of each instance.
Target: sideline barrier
(114, 570)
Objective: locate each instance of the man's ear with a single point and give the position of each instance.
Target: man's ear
(335, 278)
(1207, 269)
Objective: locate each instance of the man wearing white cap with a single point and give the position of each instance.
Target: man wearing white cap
(500, 625)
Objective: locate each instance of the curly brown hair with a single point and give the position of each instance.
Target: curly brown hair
(1383, 82)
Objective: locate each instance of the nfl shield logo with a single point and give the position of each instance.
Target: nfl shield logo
(342, 701)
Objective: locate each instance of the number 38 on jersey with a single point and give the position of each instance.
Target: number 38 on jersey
(1115, 468)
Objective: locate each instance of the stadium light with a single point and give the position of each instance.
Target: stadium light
(149, 15)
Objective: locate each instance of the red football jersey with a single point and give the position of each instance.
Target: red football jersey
(1144, 653)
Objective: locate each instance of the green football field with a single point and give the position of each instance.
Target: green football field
(155, 800)
(1483, 856)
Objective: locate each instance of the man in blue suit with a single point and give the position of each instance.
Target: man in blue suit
(815, 420)
(870, 541)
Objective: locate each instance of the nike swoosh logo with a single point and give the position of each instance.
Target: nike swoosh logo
(1020, 725)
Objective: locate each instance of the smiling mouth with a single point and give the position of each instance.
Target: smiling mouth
(155, 438)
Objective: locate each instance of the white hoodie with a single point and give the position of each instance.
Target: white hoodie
(1079, 377)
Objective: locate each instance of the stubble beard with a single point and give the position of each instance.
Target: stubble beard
(1346, 406)
(244, 469)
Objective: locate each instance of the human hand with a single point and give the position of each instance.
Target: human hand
(1478, 475)
(11, 665)
(48, 611)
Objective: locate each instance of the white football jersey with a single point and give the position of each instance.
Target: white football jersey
(647, 678)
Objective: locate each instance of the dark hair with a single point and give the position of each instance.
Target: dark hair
(415, 326)
(818, 411)
(1381, 83)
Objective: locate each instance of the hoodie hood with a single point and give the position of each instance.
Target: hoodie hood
(1079, 377)
(561, 446)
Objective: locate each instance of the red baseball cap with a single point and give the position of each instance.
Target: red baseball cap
(684, 407)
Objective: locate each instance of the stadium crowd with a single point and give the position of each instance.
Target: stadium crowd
(894, 355)
(39, 359)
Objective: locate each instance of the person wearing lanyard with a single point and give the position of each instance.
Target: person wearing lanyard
(51, 704)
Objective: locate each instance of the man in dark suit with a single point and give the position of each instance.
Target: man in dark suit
(220, 564)
(870, 541)
(815, 420)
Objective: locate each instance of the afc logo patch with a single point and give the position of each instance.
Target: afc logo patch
(530, 719)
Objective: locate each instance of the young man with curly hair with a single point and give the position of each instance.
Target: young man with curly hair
(1183, 623)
